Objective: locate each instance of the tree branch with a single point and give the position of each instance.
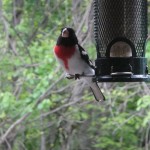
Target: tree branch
(12, 127)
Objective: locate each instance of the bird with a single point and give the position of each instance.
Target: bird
(75, 61)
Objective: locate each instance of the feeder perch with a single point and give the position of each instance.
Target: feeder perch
(120, 30)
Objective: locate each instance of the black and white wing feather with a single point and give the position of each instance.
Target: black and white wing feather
(85, 56)
(93, 85)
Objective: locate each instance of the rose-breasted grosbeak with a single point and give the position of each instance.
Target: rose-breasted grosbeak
(75, 61)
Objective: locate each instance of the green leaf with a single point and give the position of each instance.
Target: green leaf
(45, 104)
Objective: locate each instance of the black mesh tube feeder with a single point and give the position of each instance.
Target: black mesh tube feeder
(120, 30)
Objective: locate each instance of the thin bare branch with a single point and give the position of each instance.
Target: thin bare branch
(12, 127)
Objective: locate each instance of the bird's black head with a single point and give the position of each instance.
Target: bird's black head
(67, 37)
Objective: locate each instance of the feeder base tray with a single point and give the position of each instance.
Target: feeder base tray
(123, 78)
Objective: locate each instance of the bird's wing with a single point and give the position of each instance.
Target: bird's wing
(85, 56)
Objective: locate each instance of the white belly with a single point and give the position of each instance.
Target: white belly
(78, 65)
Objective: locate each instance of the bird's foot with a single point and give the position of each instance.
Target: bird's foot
(69, 76)
(77, 76)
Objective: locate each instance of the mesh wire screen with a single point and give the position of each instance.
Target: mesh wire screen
(120, 18)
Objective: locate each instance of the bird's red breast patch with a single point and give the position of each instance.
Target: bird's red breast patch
(64, 53)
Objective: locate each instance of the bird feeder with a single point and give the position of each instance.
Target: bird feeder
(120, 30)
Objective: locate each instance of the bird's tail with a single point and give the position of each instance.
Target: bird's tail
(95, 89)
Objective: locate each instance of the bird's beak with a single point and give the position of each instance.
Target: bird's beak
(65, 33)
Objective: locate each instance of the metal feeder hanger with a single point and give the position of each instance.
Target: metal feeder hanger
(120, 30)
